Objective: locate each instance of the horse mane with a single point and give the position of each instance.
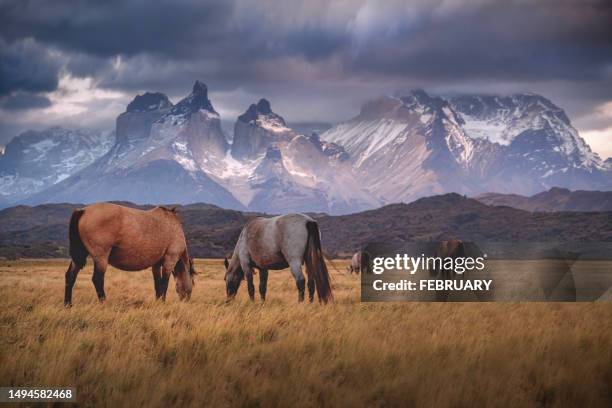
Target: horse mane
(171, 209)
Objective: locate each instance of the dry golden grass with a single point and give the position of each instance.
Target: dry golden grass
(133, 351)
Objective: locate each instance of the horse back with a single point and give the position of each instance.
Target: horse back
(100, 227)
(127, 231)
(275, 242)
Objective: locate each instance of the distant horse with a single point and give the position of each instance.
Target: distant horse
(364, 265)
(278, 243)
(355, 266)
(453, 248)
(131, 240)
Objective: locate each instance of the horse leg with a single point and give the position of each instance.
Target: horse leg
(71, 275)
(311, 288)
(168, 265)
(156, 269)
(263, 283)
(250, 286)
(296, 270)
(100, 265)
(163, 282)
(248, 274)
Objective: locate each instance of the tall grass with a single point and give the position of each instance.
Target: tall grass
(134, 351)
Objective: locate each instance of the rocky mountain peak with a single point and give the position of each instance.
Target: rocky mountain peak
(419, 98)
(263, 107)
(520, 105)
(149, 101)
(134, 125)
(258, 128)
(200, 87)
(256, 110)
(195, 101)
(403, 105)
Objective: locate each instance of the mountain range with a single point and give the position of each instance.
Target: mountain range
(41, 231)
(36, 160)
(397, 149)
(555, 199)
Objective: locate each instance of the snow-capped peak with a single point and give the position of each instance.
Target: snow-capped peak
(257, 129)
(261, 115)
(502, 119)
(196, 101)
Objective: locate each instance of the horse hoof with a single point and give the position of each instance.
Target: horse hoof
(67, 305)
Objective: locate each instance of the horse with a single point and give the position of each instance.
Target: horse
(131, 240)
(355, 266)
(453, 248)
(285, 241)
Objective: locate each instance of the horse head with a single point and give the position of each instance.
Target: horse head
(184, 278)
(233, 277)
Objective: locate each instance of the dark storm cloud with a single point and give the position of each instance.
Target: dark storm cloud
(336, 53)
(226, 40)
(24, 101)
(27, 66)
(516, 40)
(108, 28)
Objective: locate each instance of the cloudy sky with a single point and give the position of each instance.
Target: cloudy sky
(79, 63)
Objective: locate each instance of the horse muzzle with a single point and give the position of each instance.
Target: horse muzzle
(185, 297)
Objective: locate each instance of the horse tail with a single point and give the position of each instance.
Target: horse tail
(78, 252)
(315, 263)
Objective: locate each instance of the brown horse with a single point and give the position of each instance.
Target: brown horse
(131, 240)
(453, 248)
(285, 241)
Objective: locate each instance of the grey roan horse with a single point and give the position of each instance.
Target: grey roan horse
(277, 243)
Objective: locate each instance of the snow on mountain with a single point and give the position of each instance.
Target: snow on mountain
(541, 148)
(158, 158)
(412, 144)
(273, 169)
(398, 148)
(257, 129)
(179, 154)
(501, 119)
(35, 160)
(405, 146)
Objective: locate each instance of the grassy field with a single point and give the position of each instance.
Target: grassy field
(138, 352)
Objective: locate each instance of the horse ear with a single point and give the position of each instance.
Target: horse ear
(173, 208)
(192, 270)
(226, 263)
